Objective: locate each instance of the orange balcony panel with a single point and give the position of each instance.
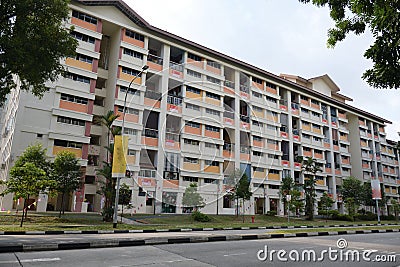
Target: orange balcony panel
(271, 90)
(295, 111)
(365, 166)
(273, 147)
(244, 157)
(327, 145)
(193, 95)
(362, 123)
(318, 156)
(149, 141)
(387, 190)
(346, 161)
(228, 154)
(314, 106)
(398, 181)
(259, 175)
(148, 182)
(305, 102)
(328, 170)
(131, 159)
(307, 153)
(212, 134)
(229, 90)
(317, 131)
(320, 182)
(171, 184)
(212, 169)
(385, 169)
(191, 166)
(152, 102)
(285, 163)
(174, 108)
(244, 125)
(172, 144)
(73, 106)
(258, 114)
(199, 64)
(338, 172)
(343, 116)
(392, 171)
(84, 24)
(213, 70)
(129, 117)
(192, 130)
(213, 101)
(244, 95)
(272, 118)
(154, 66)
(274, 177)
(258, 143)
(257, 85)
(79, 64)
(343, 138)
(176, 73)
(132, 41)
(76, 151)
(335, 147)
(229, 121)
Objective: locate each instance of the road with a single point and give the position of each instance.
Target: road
(230, 253)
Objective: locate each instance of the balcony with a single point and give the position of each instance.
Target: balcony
(229, 118)
(84, 24)
(152, 99)
(212, 169)
(174, 104)
(188, 166)
(150, 137)
(258, 143)
(172, 141)
(128, 77)
(76, 151)
(198, 64)
(295, 108)
(244, 153)
(213, 101)
(271, 90)
(213, 67)
(327, 143)
(283, 104)
(212, 134)
(260, 174)
(131, 40)
(154, 62)
(192, 130)
(78, 64)
(346, 161)
(229, 87)
(320, 182)
(176, 70)
(318, 156)
(244, 92)
(274, 176)
(131, 159)
(361, 123)
(73, 106)
(244, 122)
(228, 150)
(328, 167)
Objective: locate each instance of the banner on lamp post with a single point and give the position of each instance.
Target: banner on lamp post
(119, 156)
(376, 189)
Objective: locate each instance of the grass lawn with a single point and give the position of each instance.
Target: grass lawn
(93, 221)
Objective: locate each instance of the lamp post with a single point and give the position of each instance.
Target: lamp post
(115, 218)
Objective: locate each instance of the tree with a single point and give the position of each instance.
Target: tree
(309, 168)
(396, 208)
(32, 41)
(352, 194)
(27, 180)
(243, 190)
(233, 181)
(125, 195)
(382, 19)
(366, 195)
(66, 174)
(326, 203)
(191, 198)
(288, 187)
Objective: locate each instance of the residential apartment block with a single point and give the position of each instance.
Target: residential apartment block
(196, 115)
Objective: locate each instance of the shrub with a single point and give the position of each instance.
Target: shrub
(271, 213)
(342, 217)
(200, 217)
(388, 217)
(369, 216)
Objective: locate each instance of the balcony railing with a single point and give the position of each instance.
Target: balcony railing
(153, 95)
(229, 84)
(155, 59)
(295, 105)
(244, 88)
(229, 114)
(245, 150)
(245, 118)
(173, 100)
(228, 146)
(172, 136)
(176, 66)
(147, 132)
(147, 173)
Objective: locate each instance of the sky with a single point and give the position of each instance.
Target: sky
(280, 36)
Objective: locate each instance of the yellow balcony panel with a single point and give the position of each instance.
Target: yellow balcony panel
(77, 151)
(212, 169)
(317, 131)
(260, 175)
(174, 184)
(259, 114)
(306, 128)
(79, 64)
(274, 177)
(131, 159)
(320, 182)
(129, 78)
(191, 166)
(213, 101)
(193, 95)
(343, 138)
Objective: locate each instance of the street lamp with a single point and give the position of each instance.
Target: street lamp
(115, 218)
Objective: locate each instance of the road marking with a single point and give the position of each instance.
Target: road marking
(1, 262)
(235, 254)
(41, 260)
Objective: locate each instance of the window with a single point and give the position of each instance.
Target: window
(272, 171)
(65, 143)
(194, 107)
(191, 160)
(257, 109)
(84, 58)
(306, 149)
(257, 123)
(133, 53)
(39, 135)
(77, 77)
(130, 131)
(273, 156)
(272, 113)
(316, 151)
(305, 123)
(316, 139)
(255, 94)
(212, 128)
(257, 138)
(272, 127)
(210, 181)
(194, 57)
(213, 64)
(316, 127)
(192, 124)
(131, 152)
(211, 145)
(190, 179)
(302, 97)
(213, 80)
(191, 142)
(134, 35)
(315, 102)
(257, 154)
(212, 112)
(84, 17)
(131, 91)
(256, 80)
(194, 74)
(271, 99)
(258, 169)
(304, 110)
(72, 121)
(213, 96)
(130, 71)
(315, 114)
(83, 37)
(212, 163)
(306, 136)
(128, 110)
(270, 141)
(193, 90)
(270, 85)
(72, 98)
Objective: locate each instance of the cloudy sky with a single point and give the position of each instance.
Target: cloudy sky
(280, 37)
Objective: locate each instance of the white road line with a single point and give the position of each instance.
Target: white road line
(1, 262)
(236, 254)
(40, 260)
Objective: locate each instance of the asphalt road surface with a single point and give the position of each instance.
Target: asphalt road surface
(230, 253)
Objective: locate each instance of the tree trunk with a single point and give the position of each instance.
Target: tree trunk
(62, 205)
(237, 206)
(243, 209)
(26, 208)
(122, 212)
(23, 213)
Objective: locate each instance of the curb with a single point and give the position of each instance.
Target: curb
(178, 240)
(183, 229)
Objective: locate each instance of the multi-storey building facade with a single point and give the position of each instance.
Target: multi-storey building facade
(195, 116)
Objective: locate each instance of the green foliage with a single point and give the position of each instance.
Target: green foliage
(243, 188)
(271, 213)
(288, 187)
(368, 216)
(191, 198)
(366, 196)
(342, 217)
(351, 206)
(352, 188)
(125, 194)
(200, 217)
(381, 18)
(396, 208)
(325, 203)
(35, 154)
(32, 41)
